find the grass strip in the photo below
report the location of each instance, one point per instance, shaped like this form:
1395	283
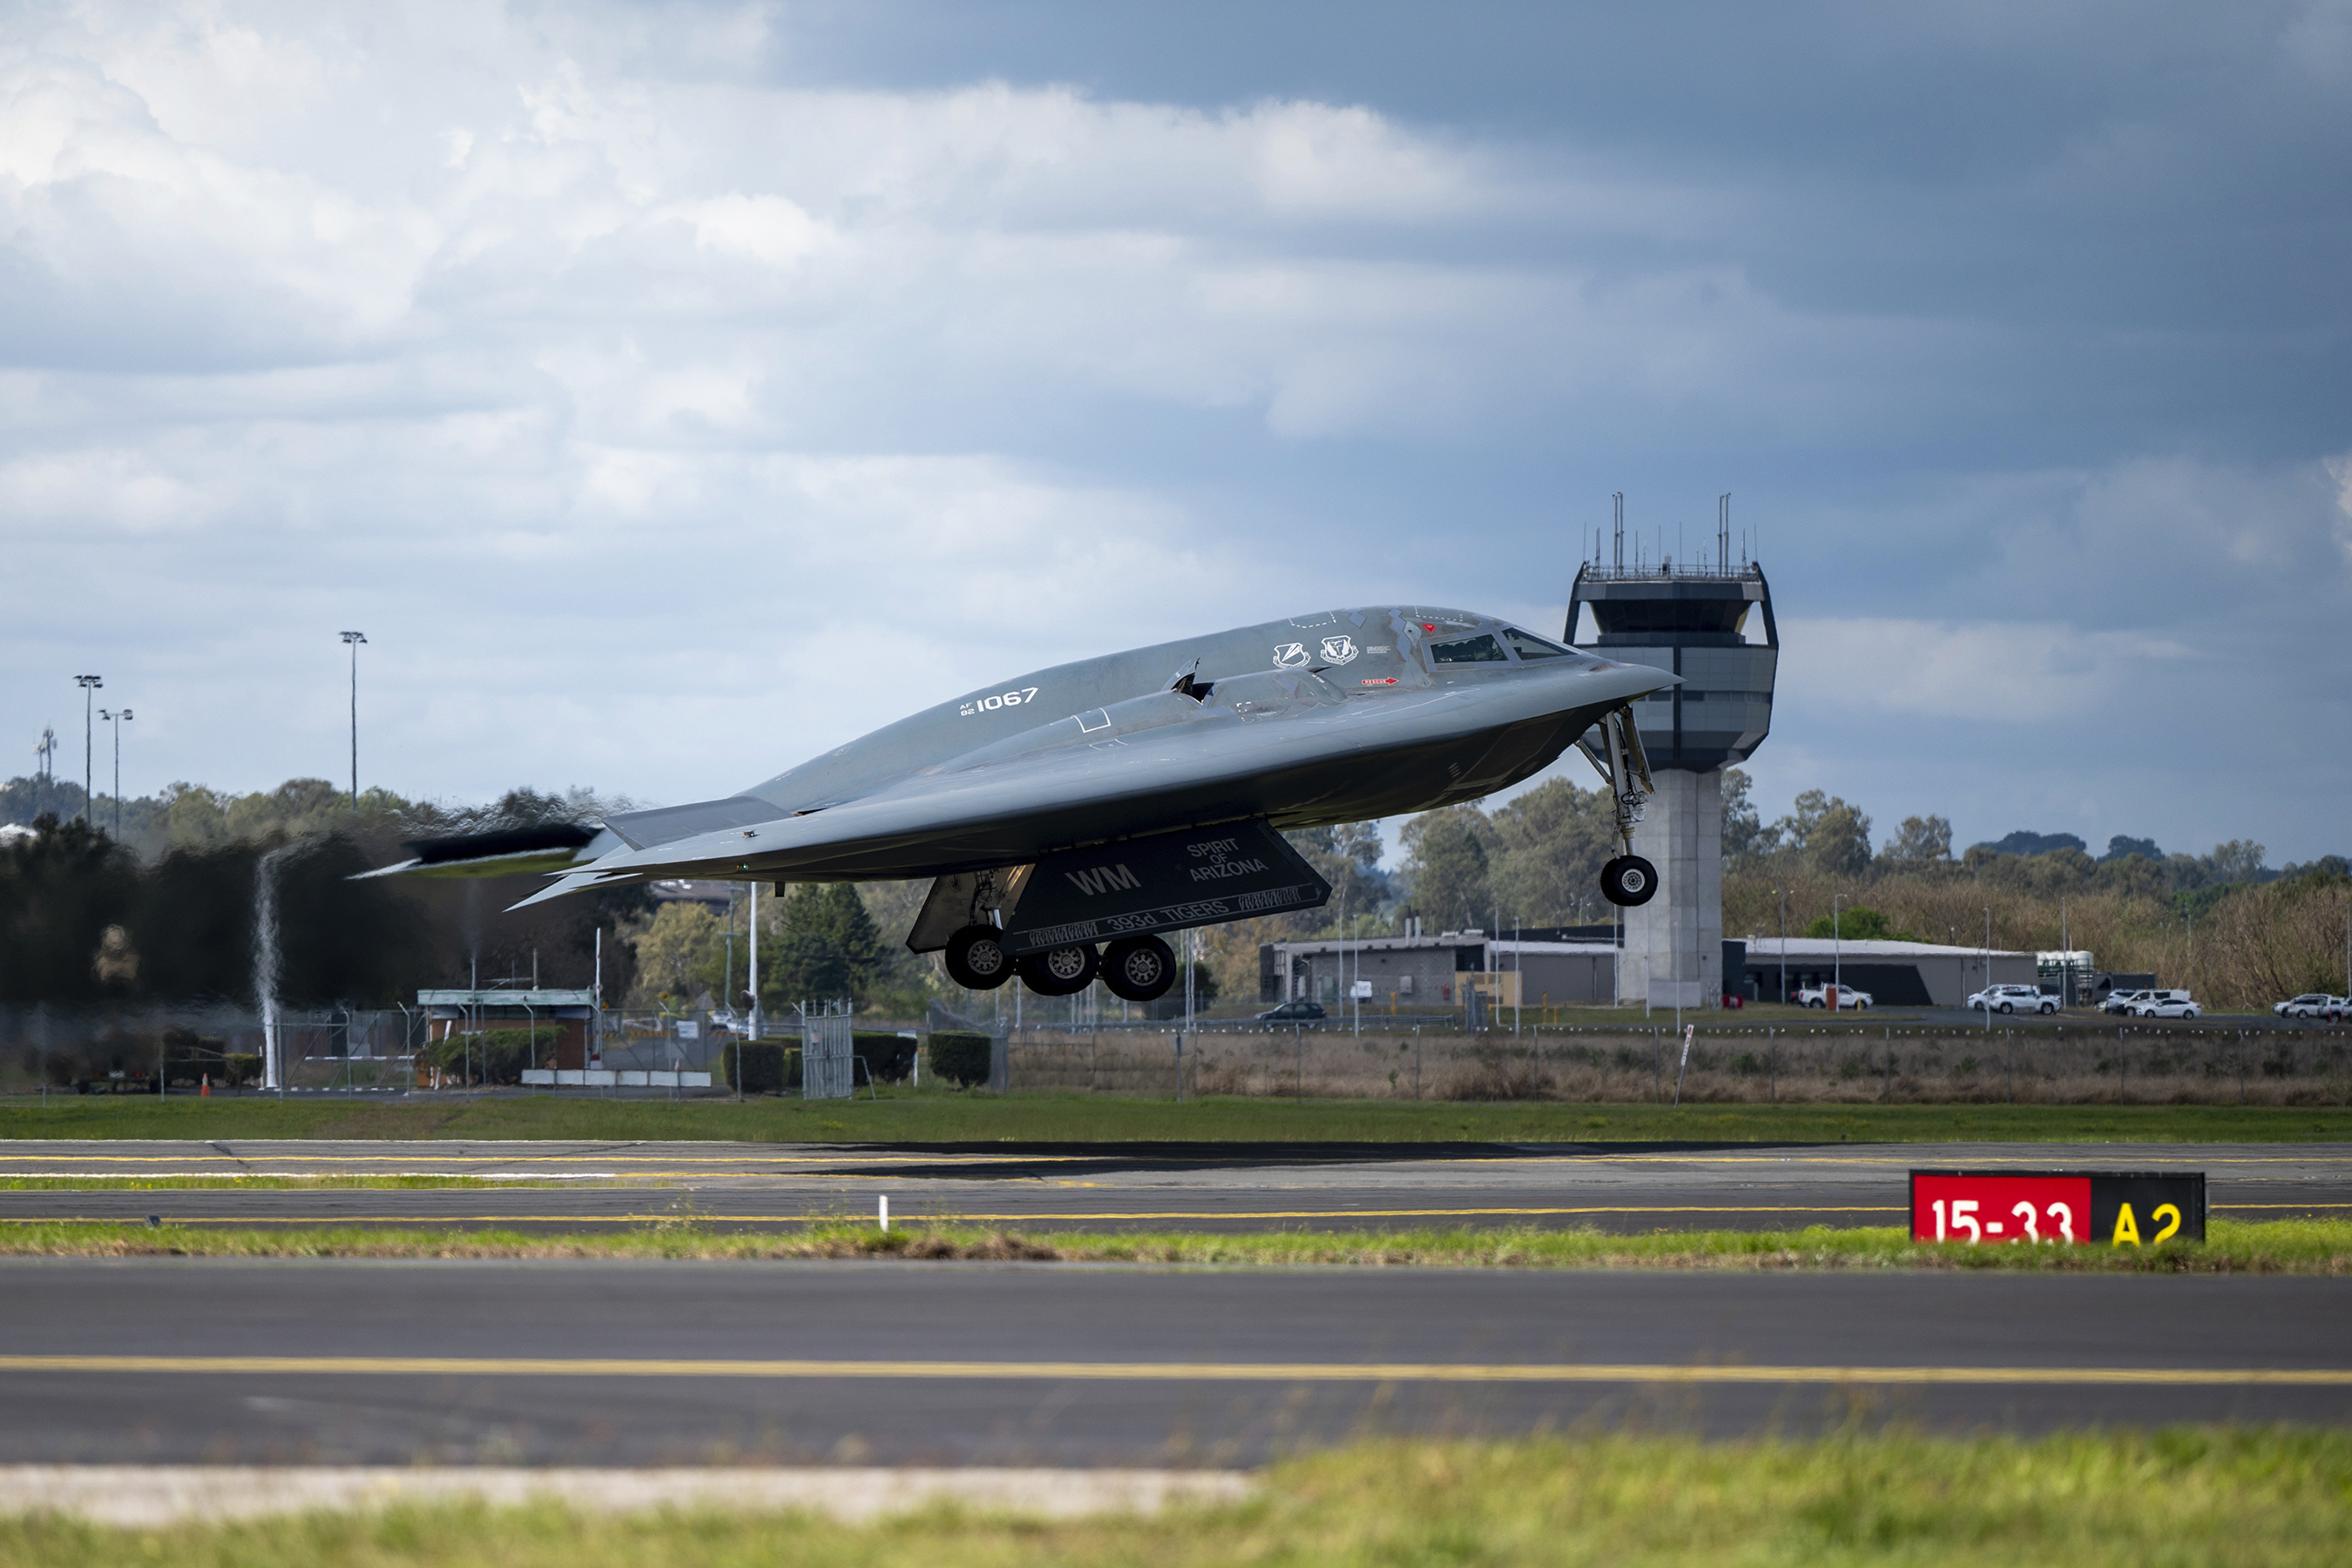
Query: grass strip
2250	1497
2268	1246
932	1116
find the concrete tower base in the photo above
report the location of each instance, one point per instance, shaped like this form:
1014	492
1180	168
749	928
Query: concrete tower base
1673	943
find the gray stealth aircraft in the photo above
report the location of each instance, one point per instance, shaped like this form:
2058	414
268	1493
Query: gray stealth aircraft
1071	815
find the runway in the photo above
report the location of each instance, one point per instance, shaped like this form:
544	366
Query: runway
218	1362
1616	1187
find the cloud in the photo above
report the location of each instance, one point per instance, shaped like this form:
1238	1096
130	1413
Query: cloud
2004	673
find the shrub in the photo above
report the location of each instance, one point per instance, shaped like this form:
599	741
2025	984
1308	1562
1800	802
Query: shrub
767	1066
961	1056
494	1055
888	1057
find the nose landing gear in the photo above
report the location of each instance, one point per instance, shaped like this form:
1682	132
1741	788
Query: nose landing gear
1628	880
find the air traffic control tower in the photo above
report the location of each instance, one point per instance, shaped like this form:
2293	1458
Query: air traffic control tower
1692	618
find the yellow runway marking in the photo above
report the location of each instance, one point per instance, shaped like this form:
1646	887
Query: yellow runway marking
938	1218
1174	1372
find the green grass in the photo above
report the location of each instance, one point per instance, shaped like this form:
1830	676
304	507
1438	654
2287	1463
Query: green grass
2269	1246
2178	1496
949	1117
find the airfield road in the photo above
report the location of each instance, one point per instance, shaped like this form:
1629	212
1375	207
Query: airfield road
1619	1187
179	1360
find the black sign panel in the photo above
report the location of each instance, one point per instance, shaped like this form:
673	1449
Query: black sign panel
1167	882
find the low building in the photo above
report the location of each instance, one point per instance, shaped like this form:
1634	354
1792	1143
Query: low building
1895	973
1438	971
572	1013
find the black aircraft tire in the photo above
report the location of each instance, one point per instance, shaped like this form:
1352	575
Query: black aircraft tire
1060	970
1629	881
1138	968
976	958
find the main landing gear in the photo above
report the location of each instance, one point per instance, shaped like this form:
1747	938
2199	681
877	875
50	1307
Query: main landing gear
1628	880
1134	968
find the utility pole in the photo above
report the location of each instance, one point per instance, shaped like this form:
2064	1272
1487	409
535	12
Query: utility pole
352	641
89	685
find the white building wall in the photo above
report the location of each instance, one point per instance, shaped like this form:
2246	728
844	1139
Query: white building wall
1673	943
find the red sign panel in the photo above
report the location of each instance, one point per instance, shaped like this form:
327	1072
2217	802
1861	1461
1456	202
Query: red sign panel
1997	1208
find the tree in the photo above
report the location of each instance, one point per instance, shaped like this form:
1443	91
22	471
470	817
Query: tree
1832	836
1920	842
2239	860
1857	924
1552	842
1743	829
828	947
1448	852
673	947
2119	847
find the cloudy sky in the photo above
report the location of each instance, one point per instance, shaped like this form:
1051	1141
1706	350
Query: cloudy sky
671	392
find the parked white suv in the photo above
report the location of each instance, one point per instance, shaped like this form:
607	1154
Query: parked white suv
2310	1005
2013	999
2121	1001
1848	996
2174	1005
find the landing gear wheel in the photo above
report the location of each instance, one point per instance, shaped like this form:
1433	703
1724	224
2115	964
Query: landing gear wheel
1628	879
1059	971
1138	968
976	958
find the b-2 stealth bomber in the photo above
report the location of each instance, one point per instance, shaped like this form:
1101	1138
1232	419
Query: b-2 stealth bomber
1071	816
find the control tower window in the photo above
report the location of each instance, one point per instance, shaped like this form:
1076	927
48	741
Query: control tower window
1529	645
1468	650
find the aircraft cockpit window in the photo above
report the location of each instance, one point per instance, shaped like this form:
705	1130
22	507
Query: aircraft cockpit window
1529	645
1468	650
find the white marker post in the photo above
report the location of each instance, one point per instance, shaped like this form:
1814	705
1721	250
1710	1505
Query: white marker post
1688	1030
883	1200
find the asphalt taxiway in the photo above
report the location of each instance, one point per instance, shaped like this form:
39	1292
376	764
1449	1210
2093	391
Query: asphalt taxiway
1617	1187
240	1361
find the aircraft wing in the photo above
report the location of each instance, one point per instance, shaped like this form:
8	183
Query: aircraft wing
1287	746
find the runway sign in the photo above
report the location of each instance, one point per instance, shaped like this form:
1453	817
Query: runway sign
2103	1208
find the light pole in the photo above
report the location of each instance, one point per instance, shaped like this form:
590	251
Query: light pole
353	640
89	685
116	718
1784	944
1837	954
1988	990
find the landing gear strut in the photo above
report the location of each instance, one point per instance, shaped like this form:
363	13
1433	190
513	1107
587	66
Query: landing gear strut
1628	880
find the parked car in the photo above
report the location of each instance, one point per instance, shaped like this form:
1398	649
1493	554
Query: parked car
2013	999
1295	1014
2310	1005
1848	996
2121	1001
2169	1007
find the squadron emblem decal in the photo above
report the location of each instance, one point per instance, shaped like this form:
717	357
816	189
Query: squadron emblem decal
1339	650
1289	655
